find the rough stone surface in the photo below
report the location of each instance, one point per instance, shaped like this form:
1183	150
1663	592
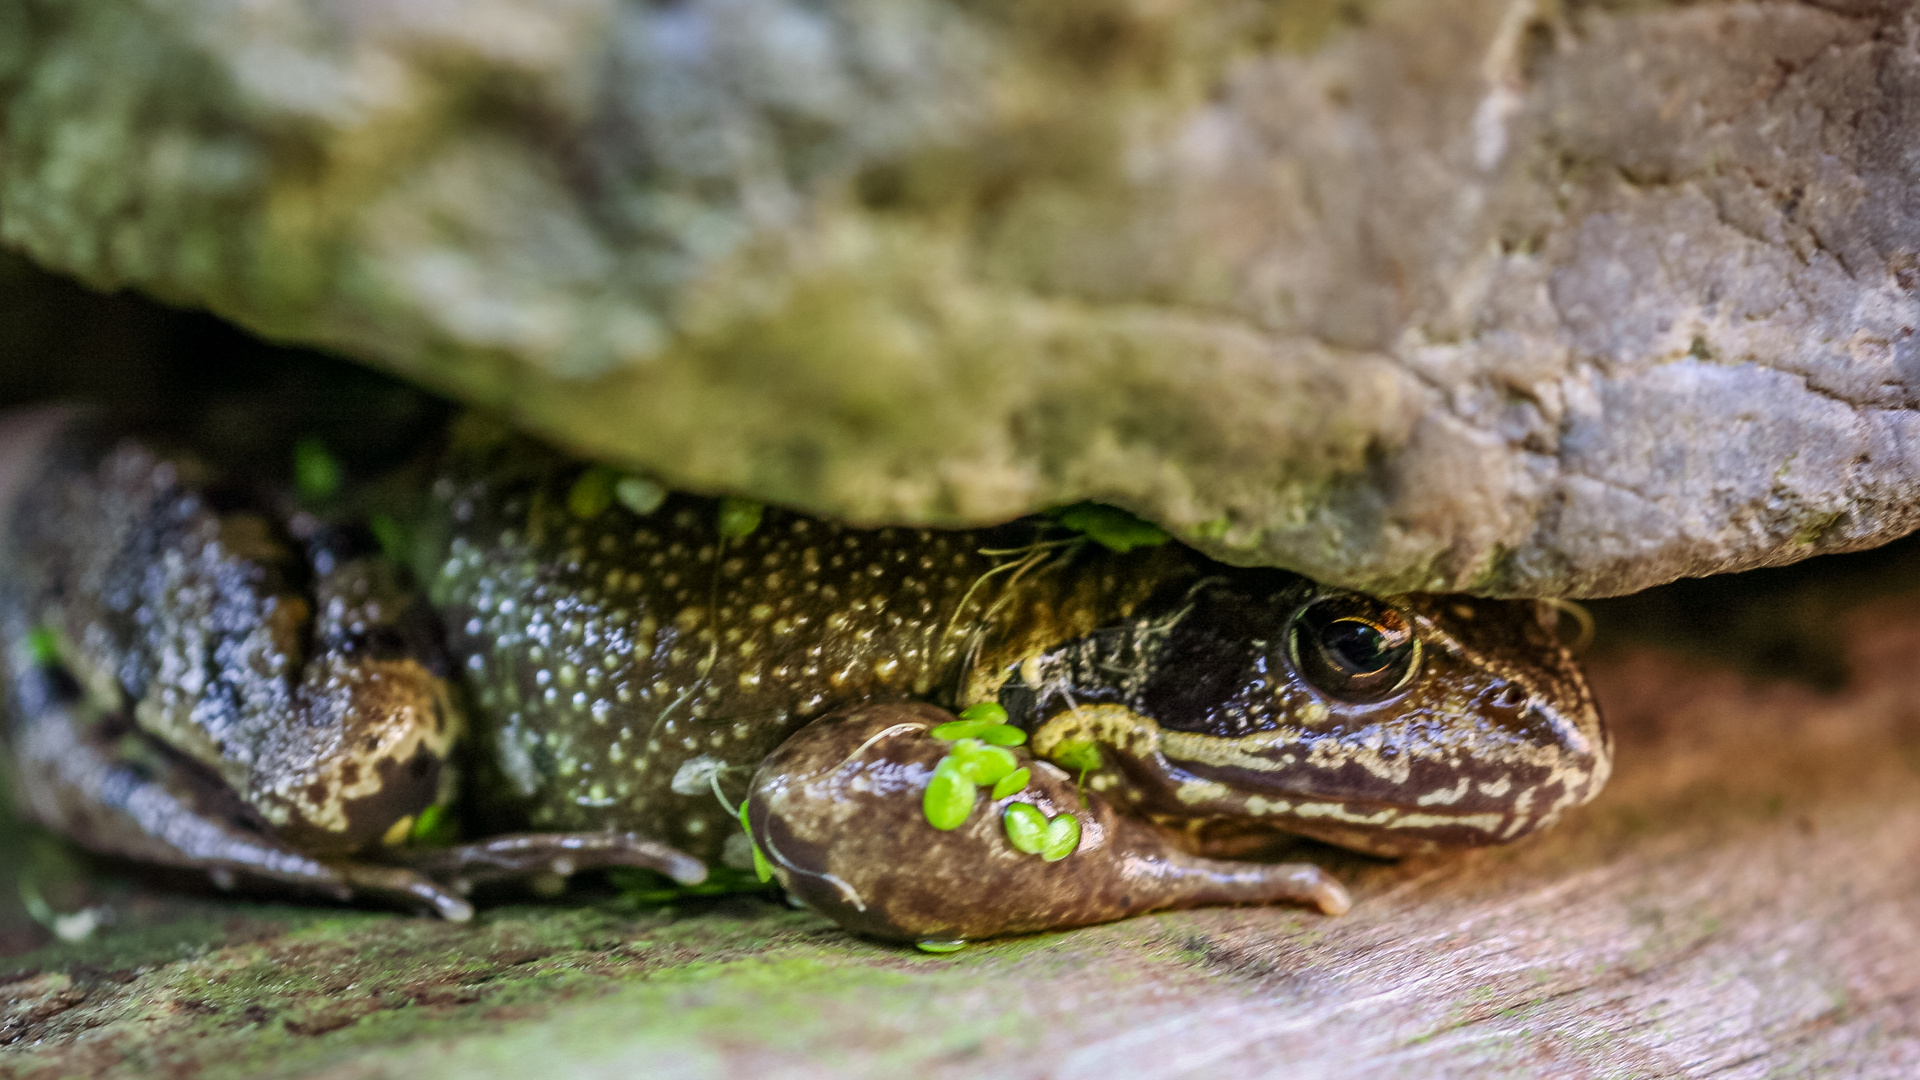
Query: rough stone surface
1514	296
1742	902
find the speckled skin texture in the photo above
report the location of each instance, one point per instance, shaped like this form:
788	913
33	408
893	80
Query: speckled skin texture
633	667
635	670
299	670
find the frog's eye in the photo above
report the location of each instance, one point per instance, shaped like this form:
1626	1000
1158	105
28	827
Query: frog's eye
1354	648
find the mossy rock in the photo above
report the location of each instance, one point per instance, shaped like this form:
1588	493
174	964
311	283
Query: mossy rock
1401	294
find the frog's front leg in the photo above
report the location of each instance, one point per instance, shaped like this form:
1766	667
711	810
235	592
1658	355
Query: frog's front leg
841	812
110	789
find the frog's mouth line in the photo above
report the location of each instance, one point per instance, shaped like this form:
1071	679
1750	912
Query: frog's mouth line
1345	795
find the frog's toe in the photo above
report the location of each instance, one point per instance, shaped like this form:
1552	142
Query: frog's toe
528	855
405	885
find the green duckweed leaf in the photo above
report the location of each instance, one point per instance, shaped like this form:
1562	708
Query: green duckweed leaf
639	494
981	763
961	729
317	476
1063	837
739	517
1110	526
987	721
1004	735
1013	783
939	946
950	796
1077	755
990	711
1026	827
592	493
984	729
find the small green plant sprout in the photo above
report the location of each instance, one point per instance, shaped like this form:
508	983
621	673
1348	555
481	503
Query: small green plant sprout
762	869
592	493
43	647
739	517
648	889
1110	526
1032	832
1077	756
939	946
639	494
394	538
436	826
317	476
1213	528
1013	783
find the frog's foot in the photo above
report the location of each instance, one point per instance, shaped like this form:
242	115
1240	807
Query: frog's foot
109	790
868	818
526	855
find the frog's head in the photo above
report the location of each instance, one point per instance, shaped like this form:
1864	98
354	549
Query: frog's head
1389	726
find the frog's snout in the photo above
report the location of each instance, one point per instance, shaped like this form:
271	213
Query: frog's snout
380	735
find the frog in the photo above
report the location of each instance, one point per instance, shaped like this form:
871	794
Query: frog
926	735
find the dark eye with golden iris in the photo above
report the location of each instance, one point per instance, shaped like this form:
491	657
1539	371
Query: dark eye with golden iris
1354	648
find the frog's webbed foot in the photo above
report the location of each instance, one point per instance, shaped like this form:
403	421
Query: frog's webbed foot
525	855
843	814
109	790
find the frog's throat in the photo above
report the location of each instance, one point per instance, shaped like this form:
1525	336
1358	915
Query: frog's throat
1280	778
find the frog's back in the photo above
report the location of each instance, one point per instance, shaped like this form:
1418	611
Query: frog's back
632	669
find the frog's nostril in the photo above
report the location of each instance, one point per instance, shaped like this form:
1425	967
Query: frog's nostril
1509	697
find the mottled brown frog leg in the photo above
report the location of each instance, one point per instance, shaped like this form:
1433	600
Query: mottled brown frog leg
522	855
840	813
109	790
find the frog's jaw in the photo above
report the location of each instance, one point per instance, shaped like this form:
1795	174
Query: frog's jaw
1397	793
378	735
1404	800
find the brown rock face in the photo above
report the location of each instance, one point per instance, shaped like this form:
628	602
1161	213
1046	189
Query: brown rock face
1513	297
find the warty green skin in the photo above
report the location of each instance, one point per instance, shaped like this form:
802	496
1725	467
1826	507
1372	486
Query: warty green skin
630	677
